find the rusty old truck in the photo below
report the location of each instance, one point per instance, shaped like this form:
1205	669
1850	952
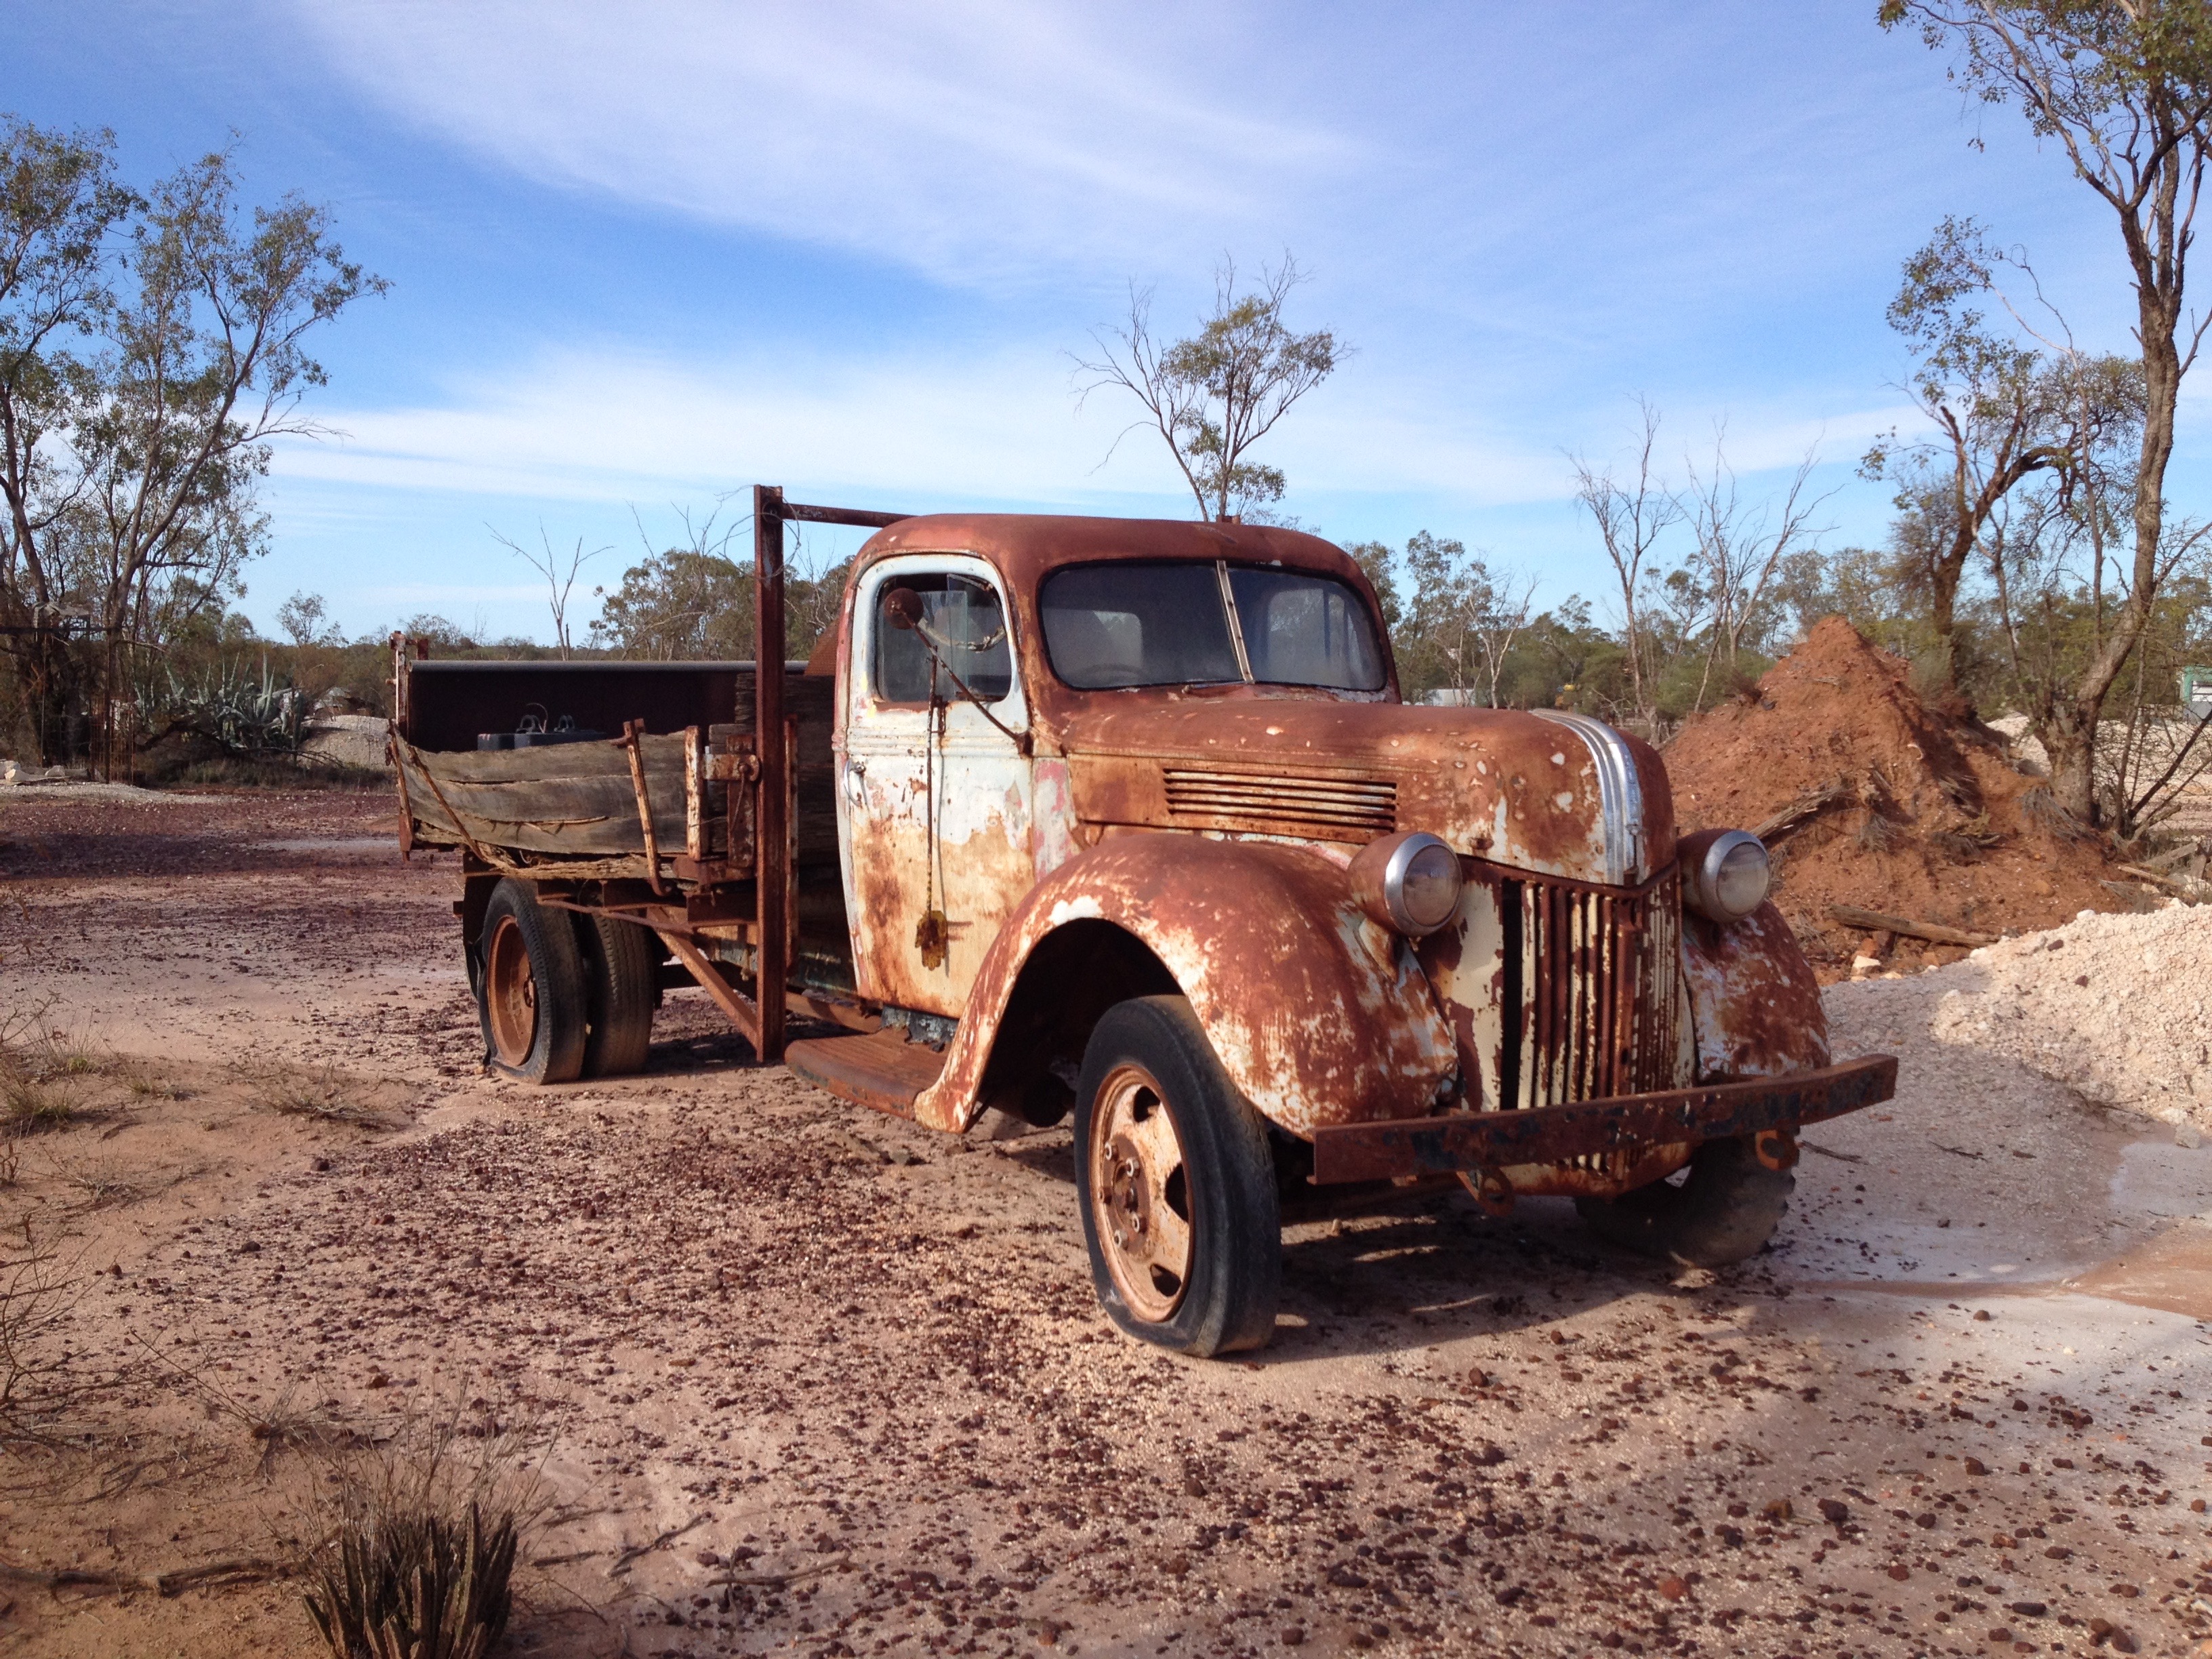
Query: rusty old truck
1126	820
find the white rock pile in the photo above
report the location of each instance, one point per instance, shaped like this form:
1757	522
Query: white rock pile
2118	1007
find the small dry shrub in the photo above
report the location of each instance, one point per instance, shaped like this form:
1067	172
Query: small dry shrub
417	1554
48	1075
1877	834
417	1587
328	1096
39	1382
148	1085
2039	805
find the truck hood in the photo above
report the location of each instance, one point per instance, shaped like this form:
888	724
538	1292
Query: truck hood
1554	793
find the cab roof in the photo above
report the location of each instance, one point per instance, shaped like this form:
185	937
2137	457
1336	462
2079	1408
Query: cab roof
1024	546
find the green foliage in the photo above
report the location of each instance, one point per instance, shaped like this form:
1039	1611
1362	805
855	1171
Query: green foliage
1374	560
1457	628
690	606
247	712
152	346
1216	394
2124	90
1573	664
678	605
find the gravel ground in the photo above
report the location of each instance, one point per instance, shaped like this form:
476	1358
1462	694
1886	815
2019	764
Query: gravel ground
815	1382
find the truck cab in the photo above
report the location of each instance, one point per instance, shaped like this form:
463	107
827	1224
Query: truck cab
1133	827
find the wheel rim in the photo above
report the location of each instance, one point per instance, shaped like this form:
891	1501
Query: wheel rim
1140	1194
510	993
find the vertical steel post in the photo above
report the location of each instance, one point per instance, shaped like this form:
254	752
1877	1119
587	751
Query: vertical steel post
772	872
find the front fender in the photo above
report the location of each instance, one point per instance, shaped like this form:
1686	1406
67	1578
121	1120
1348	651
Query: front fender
1754	1003
1318	1016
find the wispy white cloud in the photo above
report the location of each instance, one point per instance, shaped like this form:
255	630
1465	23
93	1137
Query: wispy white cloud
613	425
974	139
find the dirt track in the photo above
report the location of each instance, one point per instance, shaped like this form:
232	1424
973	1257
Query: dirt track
837	1351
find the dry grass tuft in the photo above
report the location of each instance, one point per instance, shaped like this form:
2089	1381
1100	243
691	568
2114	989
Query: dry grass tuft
145	1085
2039	805
1877	834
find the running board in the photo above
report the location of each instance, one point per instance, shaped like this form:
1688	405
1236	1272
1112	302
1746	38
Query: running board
884	1072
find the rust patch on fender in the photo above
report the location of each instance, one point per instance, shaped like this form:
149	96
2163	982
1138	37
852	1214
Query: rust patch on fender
1754	1003
1310	1024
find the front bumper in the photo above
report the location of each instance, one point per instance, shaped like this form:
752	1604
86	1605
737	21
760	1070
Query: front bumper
1399	1147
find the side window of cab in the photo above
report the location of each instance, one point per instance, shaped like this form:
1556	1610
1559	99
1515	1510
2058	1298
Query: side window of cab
933	628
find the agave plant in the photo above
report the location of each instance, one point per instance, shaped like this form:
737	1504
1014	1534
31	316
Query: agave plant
246	713
417	1587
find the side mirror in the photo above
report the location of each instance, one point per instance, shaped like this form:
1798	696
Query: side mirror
903	606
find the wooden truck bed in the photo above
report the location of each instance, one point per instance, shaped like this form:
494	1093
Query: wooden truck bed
704	809
580	809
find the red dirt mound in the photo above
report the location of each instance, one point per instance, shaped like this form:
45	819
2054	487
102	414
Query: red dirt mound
1870	798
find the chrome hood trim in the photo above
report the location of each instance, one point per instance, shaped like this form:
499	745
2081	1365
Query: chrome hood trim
1620	795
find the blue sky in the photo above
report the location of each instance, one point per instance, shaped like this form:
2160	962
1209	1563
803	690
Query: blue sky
642	255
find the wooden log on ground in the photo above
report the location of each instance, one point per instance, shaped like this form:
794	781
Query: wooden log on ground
1874	921
1802	810
252	1570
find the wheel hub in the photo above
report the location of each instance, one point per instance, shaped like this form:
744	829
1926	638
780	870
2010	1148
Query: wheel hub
1140	1194
510	993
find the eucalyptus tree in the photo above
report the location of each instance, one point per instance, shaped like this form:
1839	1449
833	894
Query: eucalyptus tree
1213	395
2123	88
152	348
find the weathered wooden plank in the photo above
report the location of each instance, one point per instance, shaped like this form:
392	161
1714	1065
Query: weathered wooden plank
577	800
597	758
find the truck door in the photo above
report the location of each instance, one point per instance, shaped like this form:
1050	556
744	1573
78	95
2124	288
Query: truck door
933	798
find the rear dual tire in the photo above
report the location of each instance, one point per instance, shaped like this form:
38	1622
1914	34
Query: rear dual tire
559	995
620	987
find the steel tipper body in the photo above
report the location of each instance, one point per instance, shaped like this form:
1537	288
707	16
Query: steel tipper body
1130	822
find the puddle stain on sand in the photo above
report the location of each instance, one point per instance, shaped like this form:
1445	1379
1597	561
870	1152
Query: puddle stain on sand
2171	1272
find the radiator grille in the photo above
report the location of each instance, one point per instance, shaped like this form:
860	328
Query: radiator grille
1593	993
1338	808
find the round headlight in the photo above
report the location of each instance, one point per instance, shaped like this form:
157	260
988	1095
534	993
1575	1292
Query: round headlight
1409	882
1726	874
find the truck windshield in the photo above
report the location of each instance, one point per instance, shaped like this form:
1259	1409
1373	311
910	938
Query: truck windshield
1110	626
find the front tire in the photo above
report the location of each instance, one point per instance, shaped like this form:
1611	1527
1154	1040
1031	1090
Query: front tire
1176	1184
529	987
1724	1212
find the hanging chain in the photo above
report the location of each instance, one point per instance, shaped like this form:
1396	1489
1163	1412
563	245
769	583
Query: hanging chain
932	934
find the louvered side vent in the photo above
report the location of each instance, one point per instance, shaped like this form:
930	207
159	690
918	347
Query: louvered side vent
1596	978
1332	809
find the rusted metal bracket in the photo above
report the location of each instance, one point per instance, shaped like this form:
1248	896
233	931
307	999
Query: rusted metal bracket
742	1014
632	731
1552	1135
773	895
